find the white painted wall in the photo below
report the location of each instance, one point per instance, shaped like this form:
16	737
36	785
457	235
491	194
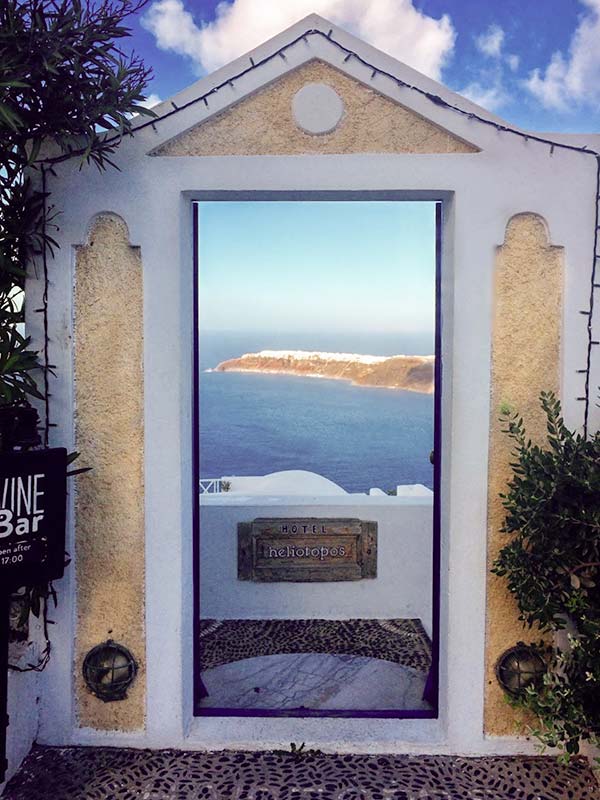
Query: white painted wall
402	588
480	192
23	713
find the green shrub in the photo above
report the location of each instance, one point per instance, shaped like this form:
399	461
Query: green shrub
552	567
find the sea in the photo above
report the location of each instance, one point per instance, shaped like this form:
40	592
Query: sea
357	436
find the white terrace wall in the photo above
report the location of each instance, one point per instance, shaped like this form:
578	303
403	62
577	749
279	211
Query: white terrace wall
418	150
403	587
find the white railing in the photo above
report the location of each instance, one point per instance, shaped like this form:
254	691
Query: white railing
210	486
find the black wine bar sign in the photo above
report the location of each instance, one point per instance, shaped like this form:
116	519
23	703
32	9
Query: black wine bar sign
33	491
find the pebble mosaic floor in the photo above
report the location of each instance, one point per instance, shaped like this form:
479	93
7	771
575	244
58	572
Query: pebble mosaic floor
402	641
326	664
89	773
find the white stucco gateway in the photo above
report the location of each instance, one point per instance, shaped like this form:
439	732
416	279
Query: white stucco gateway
510	202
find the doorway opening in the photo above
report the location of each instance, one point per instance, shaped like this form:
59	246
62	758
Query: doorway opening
317	393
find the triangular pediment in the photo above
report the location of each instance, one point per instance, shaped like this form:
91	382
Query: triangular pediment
266	122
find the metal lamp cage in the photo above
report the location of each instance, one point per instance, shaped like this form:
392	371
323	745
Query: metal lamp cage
519	667
109	670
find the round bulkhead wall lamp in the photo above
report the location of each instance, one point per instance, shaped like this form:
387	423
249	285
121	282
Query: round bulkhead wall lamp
109	669
519	667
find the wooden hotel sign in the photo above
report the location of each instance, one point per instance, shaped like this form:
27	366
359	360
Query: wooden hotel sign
307	549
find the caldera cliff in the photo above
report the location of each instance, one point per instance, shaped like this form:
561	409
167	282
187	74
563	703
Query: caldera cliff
411	373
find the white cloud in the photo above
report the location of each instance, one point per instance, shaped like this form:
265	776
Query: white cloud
513	62
152	100
489	97
490	43
395	26
573	79
489	90
149	101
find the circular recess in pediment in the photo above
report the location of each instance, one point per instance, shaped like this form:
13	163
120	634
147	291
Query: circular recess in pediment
317	108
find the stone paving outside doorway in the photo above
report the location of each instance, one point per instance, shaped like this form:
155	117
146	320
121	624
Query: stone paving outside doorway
91	773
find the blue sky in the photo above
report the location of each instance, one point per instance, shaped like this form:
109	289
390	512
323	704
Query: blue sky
536	63
333	267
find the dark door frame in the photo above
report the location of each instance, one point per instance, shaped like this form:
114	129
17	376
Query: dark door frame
433	680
